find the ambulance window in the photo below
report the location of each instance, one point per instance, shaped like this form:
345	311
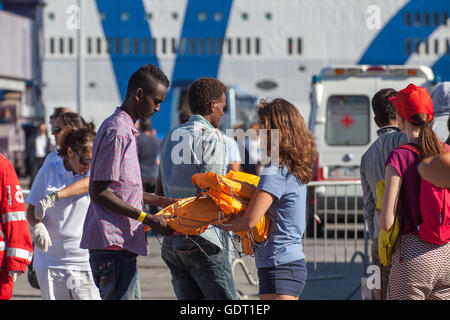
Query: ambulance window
348	120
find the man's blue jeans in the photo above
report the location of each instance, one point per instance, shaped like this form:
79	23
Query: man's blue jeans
198	274
115	274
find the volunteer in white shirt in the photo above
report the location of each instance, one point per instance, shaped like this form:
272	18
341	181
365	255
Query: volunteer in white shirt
62	268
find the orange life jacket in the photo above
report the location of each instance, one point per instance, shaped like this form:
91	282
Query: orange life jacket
223	197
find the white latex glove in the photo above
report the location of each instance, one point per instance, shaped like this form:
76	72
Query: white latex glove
41	238
14	274
44	204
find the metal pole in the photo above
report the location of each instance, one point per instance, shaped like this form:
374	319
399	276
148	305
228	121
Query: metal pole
80	71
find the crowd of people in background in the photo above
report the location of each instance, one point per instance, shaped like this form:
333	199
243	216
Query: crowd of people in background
94	194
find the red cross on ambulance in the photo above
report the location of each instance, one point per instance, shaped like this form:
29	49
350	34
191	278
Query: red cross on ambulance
347	121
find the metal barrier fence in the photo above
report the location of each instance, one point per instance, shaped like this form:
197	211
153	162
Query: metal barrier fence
339	231
335	235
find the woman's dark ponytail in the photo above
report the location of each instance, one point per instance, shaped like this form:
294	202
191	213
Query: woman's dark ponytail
428	141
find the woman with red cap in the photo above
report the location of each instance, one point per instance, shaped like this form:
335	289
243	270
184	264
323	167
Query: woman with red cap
420	270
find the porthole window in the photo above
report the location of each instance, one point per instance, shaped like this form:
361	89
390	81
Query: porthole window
426	19
417	46
145	46
210	46
52	46
244	16
70	45
192	46
202	16
436	19
89	46
99	46
126	45
108	45
201	46
218	16
268	16
427	46
417	19
136	46
289	46
174	46
163	45
182	48
117	45
408	19
408	46
220	46
125	16
299	46
61	45
154	43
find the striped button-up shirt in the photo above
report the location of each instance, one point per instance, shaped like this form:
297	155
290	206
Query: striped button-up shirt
192	147
114	158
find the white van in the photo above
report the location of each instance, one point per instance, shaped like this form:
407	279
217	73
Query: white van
341	118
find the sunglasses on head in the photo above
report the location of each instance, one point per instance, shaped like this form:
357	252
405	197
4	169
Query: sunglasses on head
56	129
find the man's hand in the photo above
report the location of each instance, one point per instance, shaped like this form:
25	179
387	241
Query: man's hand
44	204
41	238
158	223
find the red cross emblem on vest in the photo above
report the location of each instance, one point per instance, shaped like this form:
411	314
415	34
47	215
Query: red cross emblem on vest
347	121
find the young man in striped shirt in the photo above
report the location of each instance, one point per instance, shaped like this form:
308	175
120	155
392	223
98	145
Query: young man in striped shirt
114	226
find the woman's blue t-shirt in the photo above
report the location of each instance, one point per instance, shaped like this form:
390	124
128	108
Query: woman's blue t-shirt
287	218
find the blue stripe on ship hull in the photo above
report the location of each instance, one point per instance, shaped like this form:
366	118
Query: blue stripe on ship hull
389	47
192	65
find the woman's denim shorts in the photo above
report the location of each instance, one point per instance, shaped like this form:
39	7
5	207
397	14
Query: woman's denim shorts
289	278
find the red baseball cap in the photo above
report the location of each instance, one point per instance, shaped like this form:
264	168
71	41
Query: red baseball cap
413	100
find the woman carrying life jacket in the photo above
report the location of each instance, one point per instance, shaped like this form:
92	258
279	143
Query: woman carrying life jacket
420	269
281	192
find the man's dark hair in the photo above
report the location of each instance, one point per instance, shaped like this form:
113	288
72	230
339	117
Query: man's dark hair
147	77
382	108
202	91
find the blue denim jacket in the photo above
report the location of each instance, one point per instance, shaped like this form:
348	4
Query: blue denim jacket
192	147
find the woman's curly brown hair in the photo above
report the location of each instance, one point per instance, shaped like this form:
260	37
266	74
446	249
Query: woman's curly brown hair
79	140
297	146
